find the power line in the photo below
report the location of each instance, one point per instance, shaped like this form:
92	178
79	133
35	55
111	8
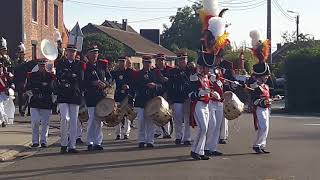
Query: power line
151	19
248	8
283	12
246	5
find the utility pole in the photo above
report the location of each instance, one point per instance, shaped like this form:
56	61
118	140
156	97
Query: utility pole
298	20
269	26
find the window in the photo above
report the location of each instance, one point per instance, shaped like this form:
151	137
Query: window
56	16
46	12
34	51
34	10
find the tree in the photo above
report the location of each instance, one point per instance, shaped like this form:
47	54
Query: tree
289	37
185	30
108	48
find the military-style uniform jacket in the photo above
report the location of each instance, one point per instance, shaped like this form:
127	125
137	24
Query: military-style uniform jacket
93	73
122	77
179	85
160	73
5	81
20	74
142	93
6	61
41	85
228	73
69	81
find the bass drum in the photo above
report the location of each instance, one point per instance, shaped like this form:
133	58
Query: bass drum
107	112
158	111
232	106
83	113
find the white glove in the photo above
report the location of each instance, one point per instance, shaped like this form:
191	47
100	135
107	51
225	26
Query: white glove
204	92
213	78
235	84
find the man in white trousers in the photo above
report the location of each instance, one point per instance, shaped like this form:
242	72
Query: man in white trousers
40	88
96	79
178	87
147	86
69	73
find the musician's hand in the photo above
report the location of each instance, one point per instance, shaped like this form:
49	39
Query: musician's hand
151	85
277	97
125	87
101	85
216	95
267	102
235	84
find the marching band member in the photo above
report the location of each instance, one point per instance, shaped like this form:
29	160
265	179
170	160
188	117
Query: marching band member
179	84
260	81
4	58
147	86
69	74
162	70
122	79
5	84
200	97
20	72
96	79
40	88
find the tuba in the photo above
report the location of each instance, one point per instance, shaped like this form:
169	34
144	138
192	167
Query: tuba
49	50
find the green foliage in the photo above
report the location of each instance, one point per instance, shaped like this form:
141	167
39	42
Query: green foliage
108	48
302	70
192	55
234	56
185	30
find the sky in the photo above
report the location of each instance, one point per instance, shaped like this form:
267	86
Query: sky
145	14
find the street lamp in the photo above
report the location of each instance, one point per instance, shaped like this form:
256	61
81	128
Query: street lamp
297	22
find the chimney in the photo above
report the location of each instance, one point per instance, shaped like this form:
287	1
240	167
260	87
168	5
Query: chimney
278	46
124	24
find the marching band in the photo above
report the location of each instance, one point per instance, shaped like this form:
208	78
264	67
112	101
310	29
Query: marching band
196	94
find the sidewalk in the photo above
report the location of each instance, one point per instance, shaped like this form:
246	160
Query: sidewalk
16	138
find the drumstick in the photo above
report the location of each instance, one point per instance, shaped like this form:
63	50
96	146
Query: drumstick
244	86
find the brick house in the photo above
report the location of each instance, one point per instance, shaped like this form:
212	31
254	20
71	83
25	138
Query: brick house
30	21
135	44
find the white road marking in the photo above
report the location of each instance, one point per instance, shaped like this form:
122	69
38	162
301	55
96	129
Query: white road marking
311	124
295	117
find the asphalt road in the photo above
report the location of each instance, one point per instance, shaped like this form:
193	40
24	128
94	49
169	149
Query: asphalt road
294	143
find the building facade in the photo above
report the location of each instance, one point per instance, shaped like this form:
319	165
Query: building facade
31	21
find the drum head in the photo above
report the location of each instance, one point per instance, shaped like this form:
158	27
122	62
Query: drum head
105	107
154	105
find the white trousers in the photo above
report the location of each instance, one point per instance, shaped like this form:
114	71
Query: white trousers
9	109
215	121
69	124
94	128
201	116
263	115
145	128
181	120
126	130
79	130
158	130
40	117
224	133
3	115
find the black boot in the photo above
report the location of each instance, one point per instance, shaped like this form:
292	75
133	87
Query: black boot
63	149
264	151
257	150
195	156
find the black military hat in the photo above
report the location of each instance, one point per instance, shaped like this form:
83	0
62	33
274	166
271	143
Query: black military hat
42	61
146	58
71	47
206	59
93	48
261	69
182	55
160	56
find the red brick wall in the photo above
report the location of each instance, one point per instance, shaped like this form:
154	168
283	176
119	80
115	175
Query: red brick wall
37	31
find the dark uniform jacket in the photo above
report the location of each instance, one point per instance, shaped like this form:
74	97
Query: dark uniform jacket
41	85
179	85
122	77
69	82
160	73
20	75
228	73
142	93
93	73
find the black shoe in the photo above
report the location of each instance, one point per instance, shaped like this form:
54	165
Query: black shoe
257	150
63	149
73	151
204	157
22	114
118	137
79	141
125	137
177	141
264	151
167	137
187	143
4	124
157	135
195	156
141	145
208	153
35	145
44	145
97	148
217	153
222	141
149	145
90	147
28	114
